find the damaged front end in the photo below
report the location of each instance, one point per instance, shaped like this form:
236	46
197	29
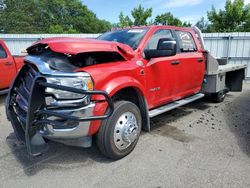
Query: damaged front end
47	103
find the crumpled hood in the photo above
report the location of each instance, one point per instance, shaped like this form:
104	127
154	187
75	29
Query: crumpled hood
73	46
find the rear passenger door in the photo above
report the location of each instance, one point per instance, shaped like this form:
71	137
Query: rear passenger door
191	64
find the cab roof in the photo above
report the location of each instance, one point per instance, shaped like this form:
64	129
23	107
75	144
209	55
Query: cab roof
157	27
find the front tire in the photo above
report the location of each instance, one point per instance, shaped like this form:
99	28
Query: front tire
119	134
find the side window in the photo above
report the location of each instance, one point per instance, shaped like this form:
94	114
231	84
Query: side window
3	54
186	41
153	42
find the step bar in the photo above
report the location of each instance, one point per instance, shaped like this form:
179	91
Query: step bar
175	104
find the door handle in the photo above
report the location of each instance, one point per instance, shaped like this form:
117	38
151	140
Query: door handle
200	60
175	62
8	63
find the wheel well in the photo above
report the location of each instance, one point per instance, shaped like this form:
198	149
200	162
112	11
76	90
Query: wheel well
135	96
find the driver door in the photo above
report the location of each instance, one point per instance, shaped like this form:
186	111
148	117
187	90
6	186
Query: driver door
161	73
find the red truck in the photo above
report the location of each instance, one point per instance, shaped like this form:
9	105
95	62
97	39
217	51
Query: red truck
71	90
9	66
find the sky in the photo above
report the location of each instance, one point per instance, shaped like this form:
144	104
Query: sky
186	10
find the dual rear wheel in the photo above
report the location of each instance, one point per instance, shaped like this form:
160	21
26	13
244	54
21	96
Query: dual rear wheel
219	97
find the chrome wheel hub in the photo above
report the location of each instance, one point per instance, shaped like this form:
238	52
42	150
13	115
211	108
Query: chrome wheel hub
126	131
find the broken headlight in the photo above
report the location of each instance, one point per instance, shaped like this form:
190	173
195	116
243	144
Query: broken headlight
84	83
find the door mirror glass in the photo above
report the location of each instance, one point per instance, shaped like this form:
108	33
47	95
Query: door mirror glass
166	47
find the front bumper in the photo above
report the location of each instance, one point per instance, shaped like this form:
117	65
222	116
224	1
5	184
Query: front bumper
33	119
68	129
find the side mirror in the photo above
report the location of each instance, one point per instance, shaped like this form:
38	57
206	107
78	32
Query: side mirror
166	47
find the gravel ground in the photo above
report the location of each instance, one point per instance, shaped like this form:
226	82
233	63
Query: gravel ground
199	145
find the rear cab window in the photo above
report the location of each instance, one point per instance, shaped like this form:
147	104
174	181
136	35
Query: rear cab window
186	42
3	53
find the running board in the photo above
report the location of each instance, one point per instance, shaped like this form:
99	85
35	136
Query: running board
173	105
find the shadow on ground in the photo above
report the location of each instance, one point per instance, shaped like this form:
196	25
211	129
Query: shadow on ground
160	125
2	99
237	116
58	157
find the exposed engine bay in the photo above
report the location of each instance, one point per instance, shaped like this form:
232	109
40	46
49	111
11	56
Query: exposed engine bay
68	62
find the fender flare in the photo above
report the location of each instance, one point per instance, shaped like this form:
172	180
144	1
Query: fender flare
124	82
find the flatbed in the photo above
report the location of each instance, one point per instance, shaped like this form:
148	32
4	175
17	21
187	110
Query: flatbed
230	67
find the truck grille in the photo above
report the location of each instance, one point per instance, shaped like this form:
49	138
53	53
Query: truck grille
22	92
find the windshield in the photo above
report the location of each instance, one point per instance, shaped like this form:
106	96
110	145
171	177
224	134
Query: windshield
131	37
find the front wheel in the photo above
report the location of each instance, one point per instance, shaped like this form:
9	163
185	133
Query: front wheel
119	134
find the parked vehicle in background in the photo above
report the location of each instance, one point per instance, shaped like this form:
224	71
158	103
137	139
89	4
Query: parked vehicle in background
72	89
9	67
